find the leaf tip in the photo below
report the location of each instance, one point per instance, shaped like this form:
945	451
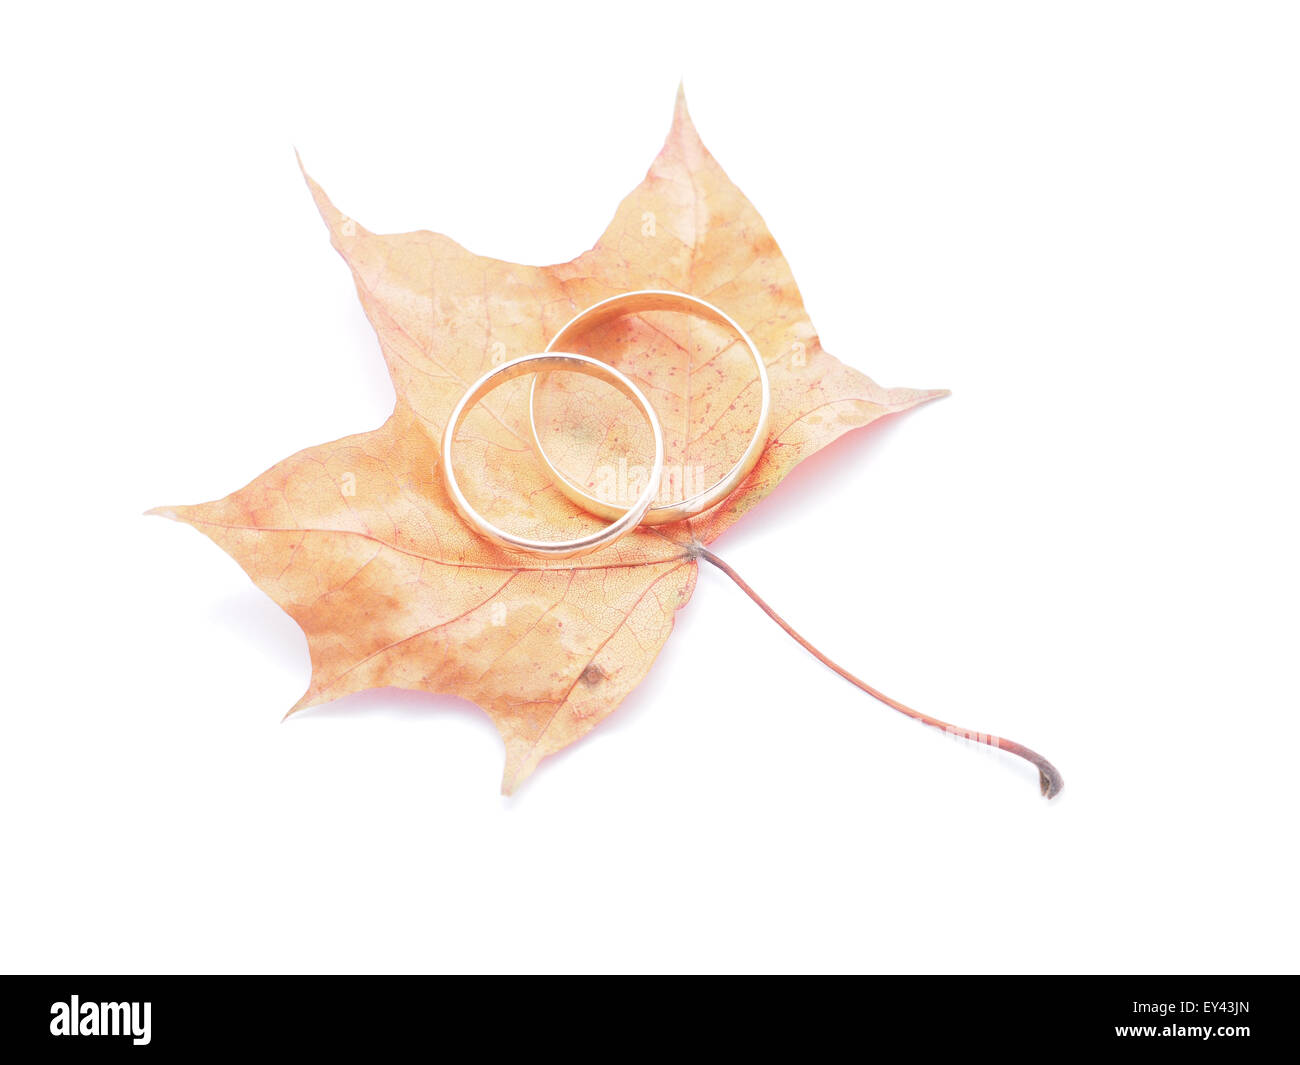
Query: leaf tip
928	395
901	399
682	126
334	218
302	169
521	760
163	512
309	698
512	777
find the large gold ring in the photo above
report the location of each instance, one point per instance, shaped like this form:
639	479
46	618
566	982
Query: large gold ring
549	361
634	303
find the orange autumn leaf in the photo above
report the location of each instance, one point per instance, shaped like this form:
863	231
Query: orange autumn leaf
357	539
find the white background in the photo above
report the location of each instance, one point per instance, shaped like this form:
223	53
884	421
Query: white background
1083	219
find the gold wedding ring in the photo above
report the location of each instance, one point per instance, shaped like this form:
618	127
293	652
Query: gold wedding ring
548	361
635	303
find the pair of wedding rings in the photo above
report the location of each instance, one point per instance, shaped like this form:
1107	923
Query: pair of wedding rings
623	519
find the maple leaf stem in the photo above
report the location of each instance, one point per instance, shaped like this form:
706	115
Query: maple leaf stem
1049	777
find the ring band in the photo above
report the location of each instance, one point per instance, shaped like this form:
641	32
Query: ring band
634	303
546	362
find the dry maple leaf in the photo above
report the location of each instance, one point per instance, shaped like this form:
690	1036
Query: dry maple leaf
357	539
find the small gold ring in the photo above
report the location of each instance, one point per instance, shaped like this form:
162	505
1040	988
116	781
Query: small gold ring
546	362
634	303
